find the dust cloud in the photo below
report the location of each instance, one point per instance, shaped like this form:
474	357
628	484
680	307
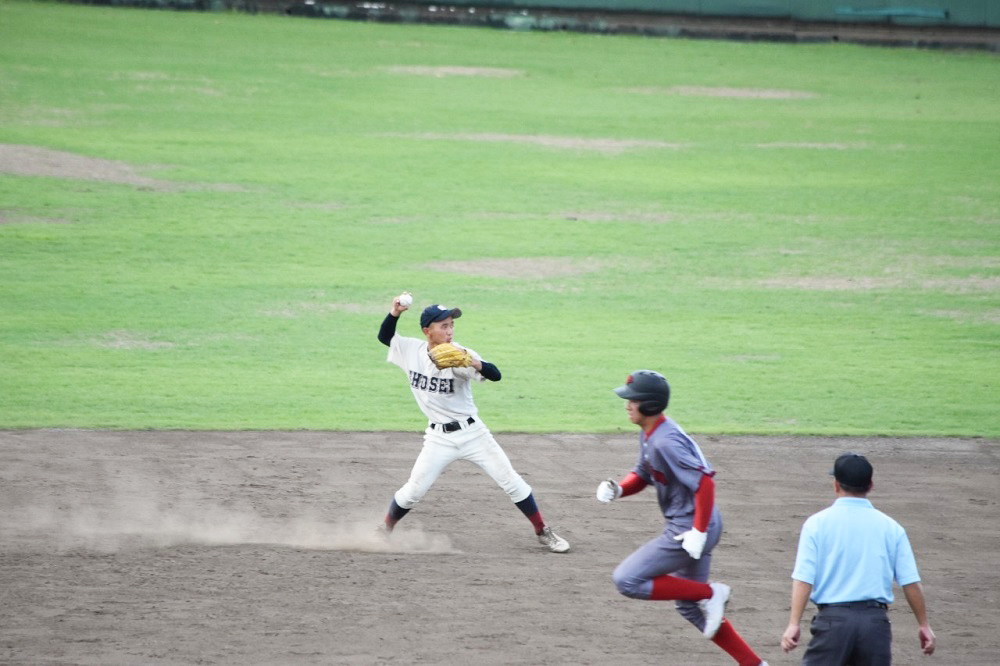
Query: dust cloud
127	520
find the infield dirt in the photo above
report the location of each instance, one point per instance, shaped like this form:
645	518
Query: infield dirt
258	548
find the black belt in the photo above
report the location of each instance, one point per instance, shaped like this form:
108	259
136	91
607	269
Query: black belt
871	603
451	427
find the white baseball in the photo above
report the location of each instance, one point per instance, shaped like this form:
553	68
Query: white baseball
405	299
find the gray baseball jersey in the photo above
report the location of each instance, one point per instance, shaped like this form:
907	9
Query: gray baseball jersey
673	462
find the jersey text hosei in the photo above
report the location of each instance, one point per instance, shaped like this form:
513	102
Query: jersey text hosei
422	382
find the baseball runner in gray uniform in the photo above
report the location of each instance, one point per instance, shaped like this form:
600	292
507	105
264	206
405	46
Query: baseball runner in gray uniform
455	431
674	565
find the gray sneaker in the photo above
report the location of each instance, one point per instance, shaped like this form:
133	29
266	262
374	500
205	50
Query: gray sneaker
553	541
714	608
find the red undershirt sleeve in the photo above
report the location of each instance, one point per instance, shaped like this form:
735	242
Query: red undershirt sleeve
704	501
632	484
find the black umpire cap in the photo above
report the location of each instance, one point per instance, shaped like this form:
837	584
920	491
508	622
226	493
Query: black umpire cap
852	469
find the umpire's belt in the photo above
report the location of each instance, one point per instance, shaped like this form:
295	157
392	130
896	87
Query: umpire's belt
451	427
870	603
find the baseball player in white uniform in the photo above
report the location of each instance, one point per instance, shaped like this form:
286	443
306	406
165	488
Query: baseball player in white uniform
455	430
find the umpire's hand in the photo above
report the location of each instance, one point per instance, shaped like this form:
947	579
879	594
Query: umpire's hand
790	639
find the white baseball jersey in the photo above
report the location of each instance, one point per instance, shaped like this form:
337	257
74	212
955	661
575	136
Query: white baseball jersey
443	395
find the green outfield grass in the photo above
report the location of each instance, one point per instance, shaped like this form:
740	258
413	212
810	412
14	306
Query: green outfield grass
803	238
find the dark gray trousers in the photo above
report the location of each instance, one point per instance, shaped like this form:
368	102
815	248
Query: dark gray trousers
858	634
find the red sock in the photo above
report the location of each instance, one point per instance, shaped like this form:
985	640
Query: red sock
667	588
530	509
537	522
730	641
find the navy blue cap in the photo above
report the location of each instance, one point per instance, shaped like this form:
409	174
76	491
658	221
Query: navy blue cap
433	313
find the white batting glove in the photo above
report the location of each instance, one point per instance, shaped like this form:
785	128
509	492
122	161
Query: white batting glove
608	491
693	542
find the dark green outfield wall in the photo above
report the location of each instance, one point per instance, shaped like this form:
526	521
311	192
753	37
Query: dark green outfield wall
974	14
969	13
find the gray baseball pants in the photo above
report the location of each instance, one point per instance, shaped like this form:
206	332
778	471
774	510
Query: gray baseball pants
854	634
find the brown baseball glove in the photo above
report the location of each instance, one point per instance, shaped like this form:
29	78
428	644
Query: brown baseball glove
447	355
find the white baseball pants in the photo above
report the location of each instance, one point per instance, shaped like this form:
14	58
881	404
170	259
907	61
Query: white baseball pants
473	442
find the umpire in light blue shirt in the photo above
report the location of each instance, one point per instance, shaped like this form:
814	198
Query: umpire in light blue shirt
848	556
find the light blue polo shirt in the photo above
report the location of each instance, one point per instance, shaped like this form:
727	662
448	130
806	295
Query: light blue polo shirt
851	551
